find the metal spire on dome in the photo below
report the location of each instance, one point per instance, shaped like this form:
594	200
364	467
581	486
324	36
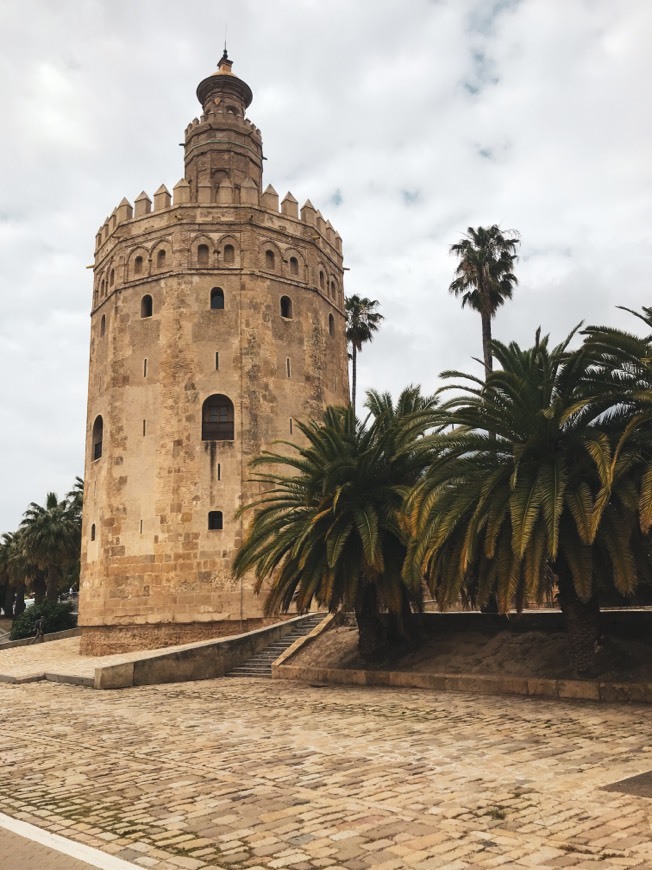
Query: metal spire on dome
224	80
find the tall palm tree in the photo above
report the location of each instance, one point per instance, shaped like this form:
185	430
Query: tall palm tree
52	539
484	277
362	320
329	528
531	488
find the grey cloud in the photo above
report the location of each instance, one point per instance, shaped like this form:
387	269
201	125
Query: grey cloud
355	100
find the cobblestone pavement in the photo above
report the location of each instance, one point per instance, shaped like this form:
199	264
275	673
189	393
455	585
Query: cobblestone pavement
255	773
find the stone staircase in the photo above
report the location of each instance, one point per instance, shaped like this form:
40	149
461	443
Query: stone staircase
260	665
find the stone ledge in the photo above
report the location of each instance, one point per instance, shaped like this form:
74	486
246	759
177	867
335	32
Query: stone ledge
584	690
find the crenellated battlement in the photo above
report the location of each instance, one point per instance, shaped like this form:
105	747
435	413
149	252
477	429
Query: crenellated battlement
224	119
209	206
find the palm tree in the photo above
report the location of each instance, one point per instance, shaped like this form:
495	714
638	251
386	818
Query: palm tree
621	374
75	499
15	571
52	538
484	277
530	488
362	320
329	527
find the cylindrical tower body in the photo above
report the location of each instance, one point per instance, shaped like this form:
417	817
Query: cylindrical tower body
217	322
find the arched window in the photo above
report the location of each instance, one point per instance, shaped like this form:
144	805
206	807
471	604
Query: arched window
111	277
270	260
331	325
102	325
215	521
294	266
229	254
286	307
102	287
160	259
93	532
217	419
332	289
202	255
321	279
98	434
146	306
138	265
217	299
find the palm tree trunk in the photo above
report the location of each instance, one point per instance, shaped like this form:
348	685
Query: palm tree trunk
372	635
19	606
582	627
39	586
8	600
403	627
486	343
354	360
53	575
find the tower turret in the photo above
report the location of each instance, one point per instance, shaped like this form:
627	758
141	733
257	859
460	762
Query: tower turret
223	146
217	321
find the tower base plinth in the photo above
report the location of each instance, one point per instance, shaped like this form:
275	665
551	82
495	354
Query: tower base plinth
98	640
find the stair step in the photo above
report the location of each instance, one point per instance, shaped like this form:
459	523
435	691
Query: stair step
260	665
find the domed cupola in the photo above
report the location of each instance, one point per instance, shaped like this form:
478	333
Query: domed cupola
223	147
224	90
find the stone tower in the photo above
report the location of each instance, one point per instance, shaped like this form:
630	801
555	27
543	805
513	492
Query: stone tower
217	322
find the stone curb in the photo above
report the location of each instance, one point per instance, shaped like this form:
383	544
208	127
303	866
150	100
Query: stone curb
26	678
584	690
535	687
55	635
37	677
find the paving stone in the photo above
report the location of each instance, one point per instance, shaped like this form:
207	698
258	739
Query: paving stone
240	773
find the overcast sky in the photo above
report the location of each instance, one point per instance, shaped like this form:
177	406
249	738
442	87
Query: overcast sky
404	121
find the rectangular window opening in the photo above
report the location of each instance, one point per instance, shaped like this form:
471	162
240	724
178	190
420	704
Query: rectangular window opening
219	471
215	520
217	360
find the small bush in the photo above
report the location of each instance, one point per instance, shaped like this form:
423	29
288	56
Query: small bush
56	617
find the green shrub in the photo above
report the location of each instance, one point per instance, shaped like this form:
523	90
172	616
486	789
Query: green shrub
56	617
